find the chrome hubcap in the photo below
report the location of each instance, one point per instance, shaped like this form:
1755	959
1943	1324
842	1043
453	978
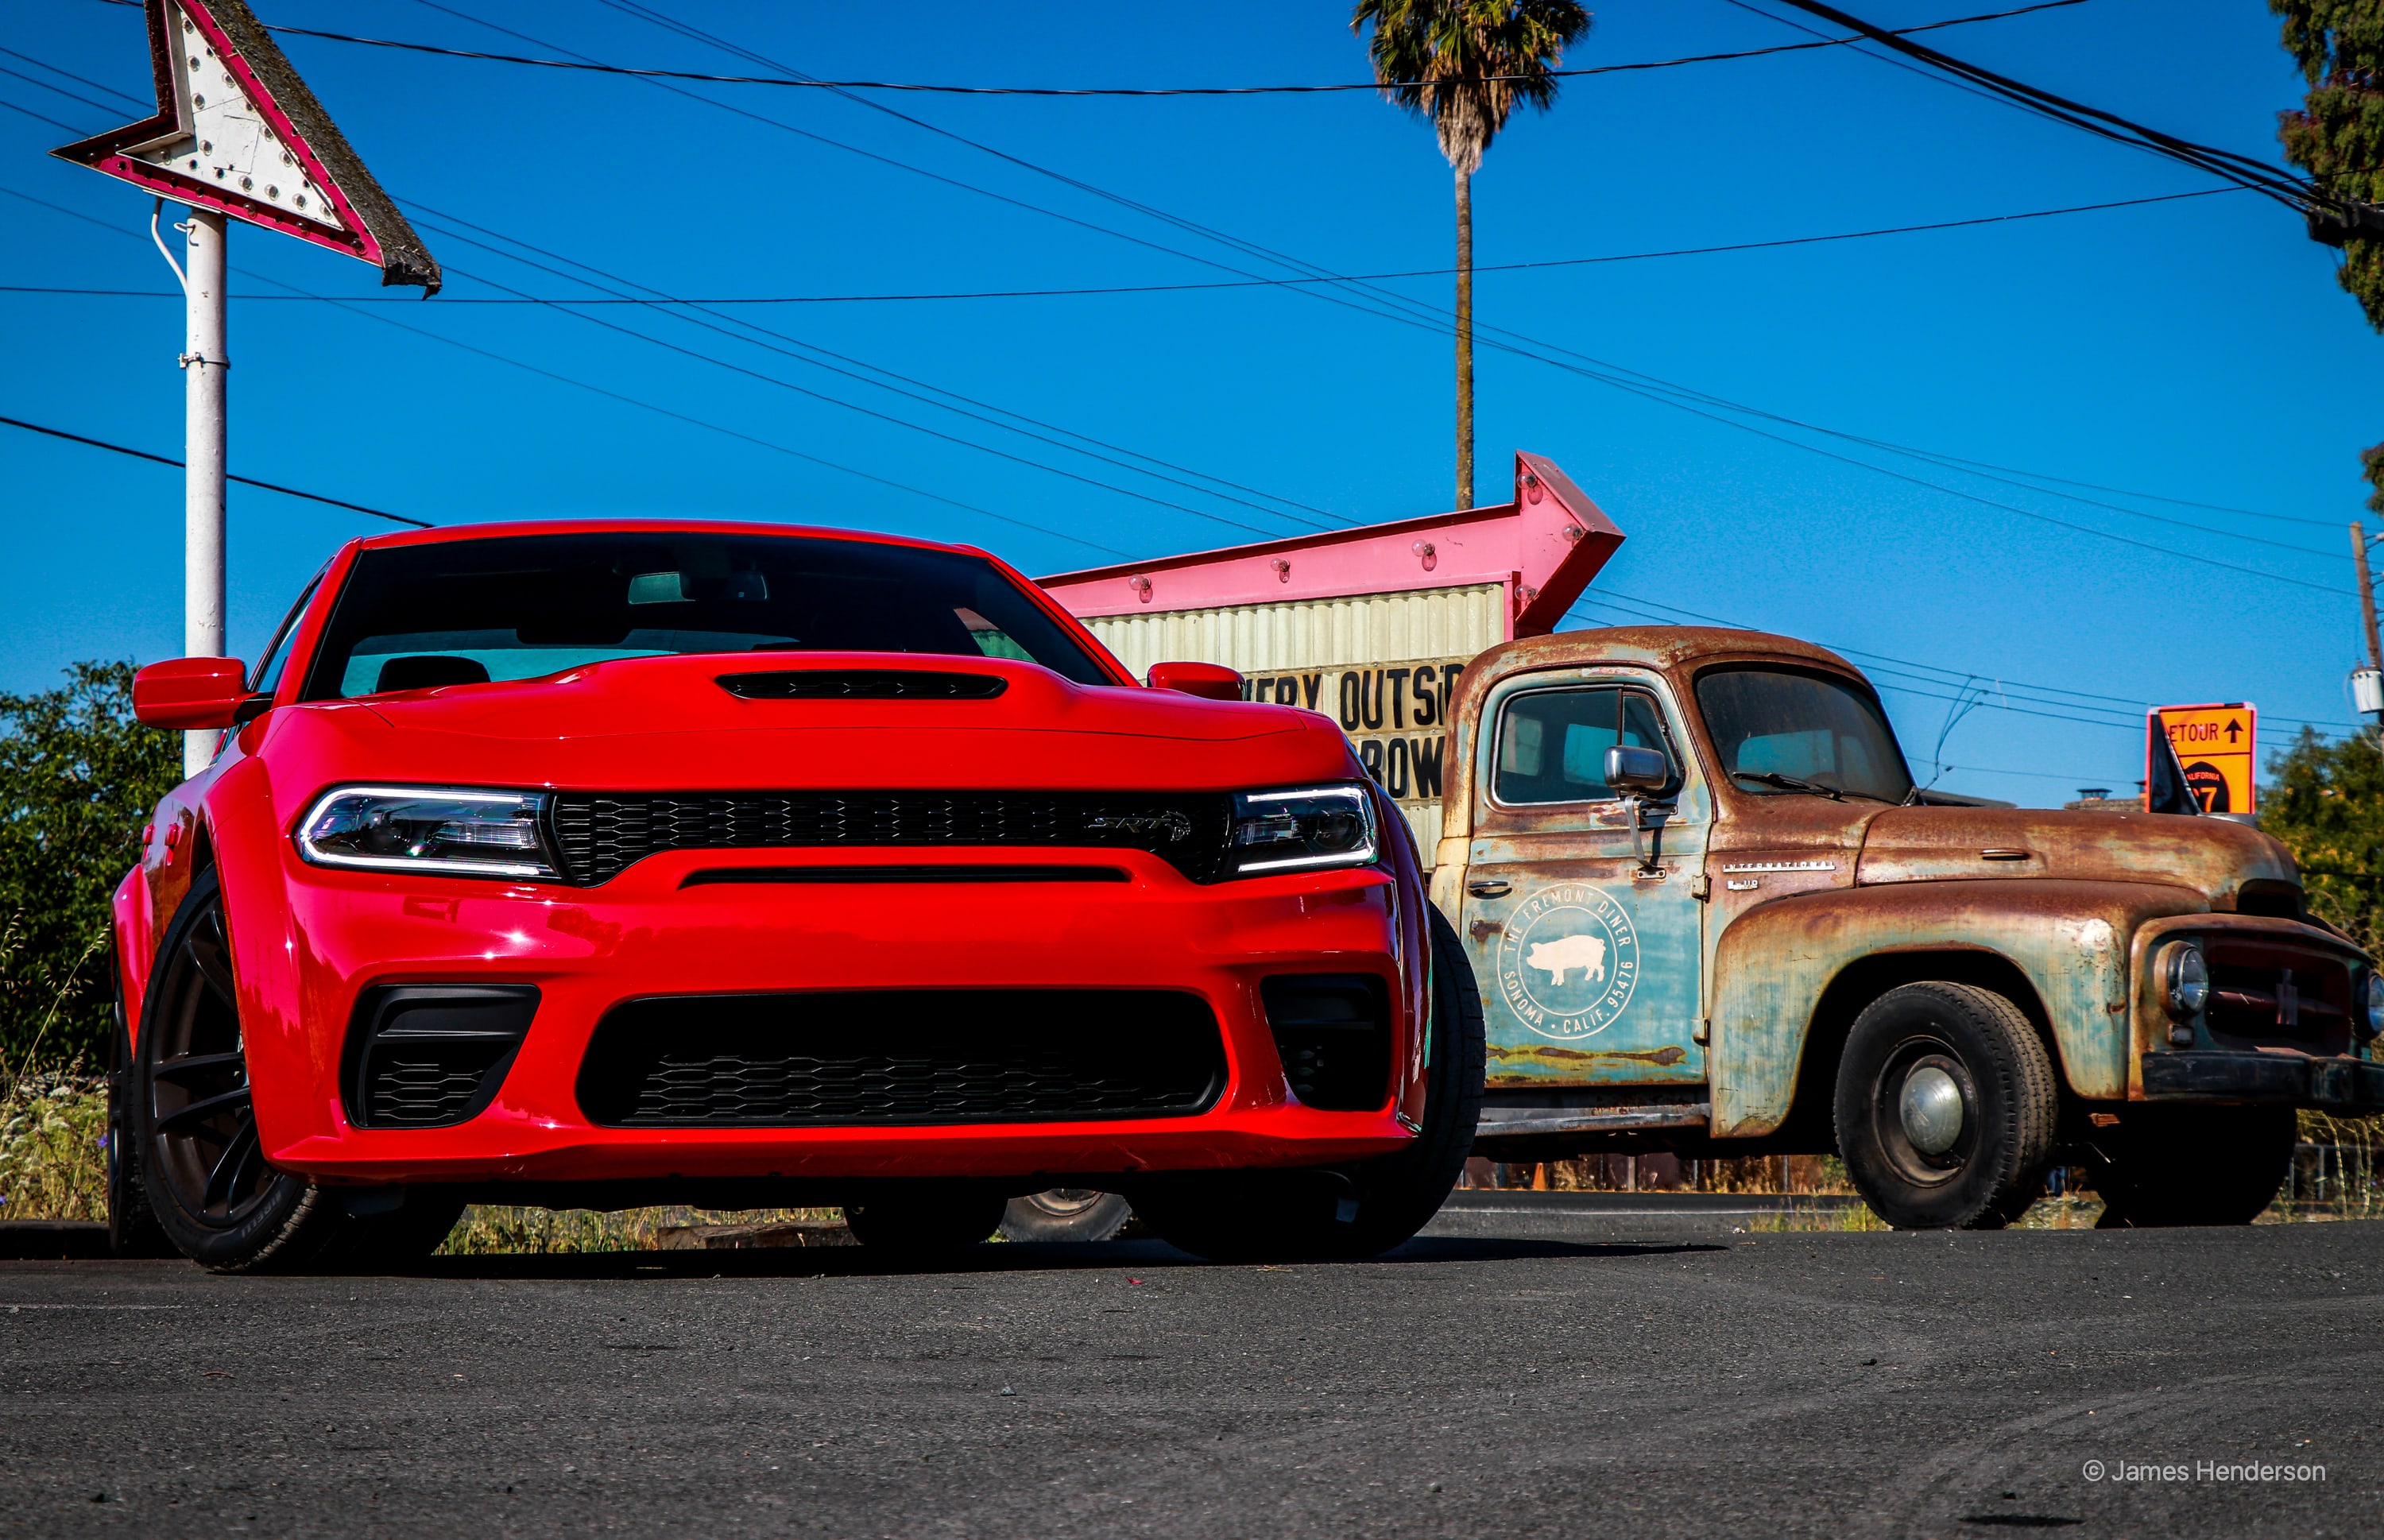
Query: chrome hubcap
1932	1109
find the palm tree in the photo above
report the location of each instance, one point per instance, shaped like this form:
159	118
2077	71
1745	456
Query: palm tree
1466	64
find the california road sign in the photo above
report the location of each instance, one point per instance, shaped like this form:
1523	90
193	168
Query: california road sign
237	131
2218	746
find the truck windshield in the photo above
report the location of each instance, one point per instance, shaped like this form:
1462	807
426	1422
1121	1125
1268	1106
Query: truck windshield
522	607
1789	727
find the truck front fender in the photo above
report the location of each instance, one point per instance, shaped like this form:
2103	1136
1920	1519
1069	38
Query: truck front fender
1789	977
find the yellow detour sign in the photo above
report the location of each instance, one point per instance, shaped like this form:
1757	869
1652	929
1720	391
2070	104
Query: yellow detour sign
2215	746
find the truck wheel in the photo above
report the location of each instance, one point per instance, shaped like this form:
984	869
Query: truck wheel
132	1229
925	1220
2193	1165
1355	1210
194	1131
1065	1214
1945	1108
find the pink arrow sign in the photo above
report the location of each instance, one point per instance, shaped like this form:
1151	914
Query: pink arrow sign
237	131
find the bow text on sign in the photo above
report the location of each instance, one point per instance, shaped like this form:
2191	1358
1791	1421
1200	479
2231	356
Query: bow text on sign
2218	746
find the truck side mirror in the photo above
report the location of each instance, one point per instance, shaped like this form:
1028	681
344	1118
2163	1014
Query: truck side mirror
1636	772
1205	680
191	694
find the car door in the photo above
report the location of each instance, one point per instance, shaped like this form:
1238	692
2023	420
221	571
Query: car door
1587	948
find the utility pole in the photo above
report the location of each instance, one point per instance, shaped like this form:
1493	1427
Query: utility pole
204	364
2366	594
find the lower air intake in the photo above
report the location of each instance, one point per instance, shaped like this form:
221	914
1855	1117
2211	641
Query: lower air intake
431	1055
1333	1031
901	1056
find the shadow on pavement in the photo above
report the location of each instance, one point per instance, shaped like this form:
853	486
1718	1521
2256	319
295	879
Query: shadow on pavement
841	1261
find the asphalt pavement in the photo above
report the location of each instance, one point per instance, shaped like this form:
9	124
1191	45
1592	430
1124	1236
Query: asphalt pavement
1609	1374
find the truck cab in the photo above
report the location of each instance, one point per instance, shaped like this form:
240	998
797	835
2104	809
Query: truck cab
1711	912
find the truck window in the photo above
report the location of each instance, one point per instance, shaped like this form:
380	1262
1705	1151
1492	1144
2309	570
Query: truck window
1552	743
1811	727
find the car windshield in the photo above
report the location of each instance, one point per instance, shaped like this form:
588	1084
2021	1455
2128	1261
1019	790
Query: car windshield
1799	726
521	606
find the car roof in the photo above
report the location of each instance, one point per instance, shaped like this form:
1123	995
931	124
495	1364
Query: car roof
506	528
1669	647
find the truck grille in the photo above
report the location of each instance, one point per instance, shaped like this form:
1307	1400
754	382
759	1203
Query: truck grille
901	1056
598	835
2267	993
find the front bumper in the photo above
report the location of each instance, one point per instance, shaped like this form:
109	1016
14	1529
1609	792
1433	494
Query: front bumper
2346	1087
644	933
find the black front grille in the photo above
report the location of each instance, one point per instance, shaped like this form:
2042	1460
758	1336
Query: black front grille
431	1055
901	1056
598	835
1334	1033
2265	992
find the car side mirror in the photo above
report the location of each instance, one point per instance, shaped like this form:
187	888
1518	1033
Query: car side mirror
1636	772
191	694
1207	680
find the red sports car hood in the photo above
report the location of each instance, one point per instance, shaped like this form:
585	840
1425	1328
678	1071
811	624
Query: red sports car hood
670	724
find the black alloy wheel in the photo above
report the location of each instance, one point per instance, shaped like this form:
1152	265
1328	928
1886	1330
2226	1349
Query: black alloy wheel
209	1187
1946	1106
132	1229
1363	1209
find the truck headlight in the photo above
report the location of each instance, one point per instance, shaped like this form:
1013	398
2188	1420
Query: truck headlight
1285	831
2367	1009
405	828
2189	981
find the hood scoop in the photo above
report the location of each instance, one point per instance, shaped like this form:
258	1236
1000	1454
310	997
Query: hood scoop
863	684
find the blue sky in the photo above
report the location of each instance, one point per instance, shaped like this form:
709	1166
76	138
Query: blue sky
2195	349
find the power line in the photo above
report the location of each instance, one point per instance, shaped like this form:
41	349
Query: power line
617	396
1432	318
2125	703
808	82
449	300
243	481
2295	192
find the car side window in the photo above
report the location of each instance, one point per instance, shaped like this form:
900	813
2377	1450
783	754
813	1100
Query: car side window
1552	743
276	655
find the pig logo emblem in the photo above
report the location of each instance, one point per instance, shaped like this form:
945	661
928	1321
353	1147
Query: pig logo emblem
1560	957
1568	961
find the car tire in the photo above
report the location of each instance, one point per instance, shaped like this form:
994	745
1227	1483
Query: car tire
208	1185
928	1219
394	1237
1360	1209
133	1228
1067	1214
2192	1165
1946	1106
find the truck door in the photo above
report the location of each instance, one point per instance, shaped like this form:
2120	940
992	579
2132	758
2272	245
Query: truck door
1588	952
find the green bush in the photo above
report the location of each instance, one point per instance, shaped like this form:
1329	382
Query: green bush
2325	802
78	779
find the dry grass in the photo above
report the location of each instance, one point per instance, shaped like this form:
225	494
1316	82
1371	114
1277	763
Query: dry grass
53	1147
489	1231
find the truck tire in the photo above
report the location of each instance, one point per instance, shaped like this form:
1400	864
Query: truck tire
924	1221
1074	1214
2192	1165
194	1122
1946	1105
1364	1209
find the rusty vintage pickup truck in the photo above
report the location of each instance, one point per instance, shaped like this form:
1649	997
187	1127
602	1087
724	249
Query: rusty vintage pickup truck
1711	912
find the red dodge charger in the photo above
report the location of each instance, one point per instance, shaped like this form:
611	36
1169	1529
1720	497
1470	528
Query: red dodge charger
608	864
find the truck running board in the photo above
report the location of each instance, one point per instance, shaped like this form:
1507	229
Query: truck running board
1512	1122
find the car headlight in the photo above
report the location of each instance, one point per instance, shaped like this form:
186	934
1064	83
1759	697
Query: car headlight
402	828
2367	1013
1302	830
2189	981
